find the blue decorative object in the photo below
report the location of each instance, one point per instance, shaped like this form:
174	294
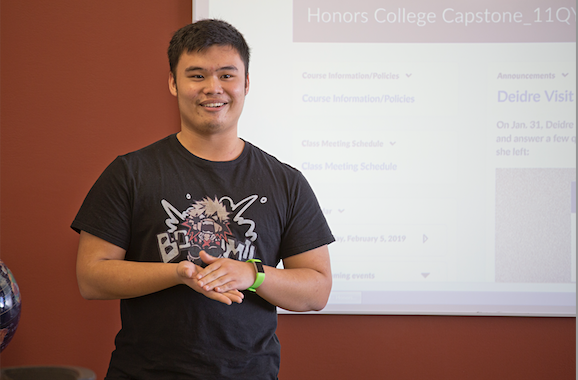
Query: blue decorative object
9	306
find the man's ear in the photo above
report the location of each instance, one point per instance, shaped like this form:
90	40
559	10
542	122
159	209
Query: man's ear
172	84
247	85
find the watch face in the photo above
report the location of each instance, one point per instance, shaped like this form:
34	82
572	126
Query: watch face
259	266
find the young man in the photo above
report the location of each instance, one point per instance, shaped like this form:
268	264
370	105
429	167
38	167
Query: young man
188	232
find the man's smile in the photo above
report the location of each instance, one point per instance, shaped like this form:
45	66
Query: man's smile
214	105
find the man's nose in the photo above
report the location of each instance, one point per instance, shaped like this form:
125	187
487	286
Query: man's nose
213	85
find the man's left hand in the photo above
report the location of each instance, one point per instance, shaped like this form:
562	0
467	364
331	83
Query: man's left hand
222	275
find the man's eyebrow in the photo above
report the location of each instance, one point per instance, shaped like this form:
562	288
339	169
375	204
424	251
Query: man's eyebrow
192	68
224	68
228	68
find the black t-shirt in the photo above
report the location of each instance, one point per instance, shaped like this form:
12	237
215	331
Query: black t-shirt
163	204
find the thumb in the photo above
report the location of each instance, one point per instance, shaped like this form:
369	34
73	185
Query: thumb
207	259
186	269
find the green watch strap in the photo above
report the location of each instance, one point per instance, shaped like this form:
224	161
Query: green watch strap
260	274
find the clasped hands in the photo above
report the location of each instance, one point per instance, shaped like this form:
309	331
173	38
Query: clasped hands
220	280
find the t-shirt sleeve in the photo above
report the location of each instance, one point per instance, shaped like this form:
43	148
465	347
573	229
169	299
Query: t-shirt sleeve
106	210
307	227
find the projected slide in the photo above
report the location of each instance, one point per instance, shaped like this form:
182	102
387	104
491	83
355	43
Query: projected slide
439	137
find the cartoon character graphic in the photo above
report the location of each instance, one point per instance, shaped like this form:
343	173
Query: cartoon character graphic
205	226
207	222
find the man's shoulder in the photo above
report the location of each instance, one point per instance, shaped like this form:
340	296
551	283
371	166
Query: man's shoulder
159	145
156	151
269	159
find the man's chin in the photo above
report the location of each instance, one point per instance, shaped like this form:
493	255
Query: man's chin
213	128
208	127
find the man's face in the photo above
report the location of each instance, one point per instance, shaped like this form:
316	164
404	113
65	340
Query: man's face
210	88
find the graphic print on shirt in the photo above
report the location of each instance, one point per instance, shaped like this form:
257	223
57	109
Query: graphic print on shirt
204	226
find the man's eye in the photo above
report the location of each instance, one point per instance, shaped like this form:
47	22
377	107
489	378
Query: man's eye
197	76
227	76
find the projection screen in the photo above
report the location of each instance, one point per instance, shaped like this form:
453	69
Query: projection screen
439	137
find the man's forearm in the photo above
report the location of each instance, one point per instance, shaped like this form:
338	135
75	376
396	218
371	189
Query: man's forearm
118	279
304	284
103	274
301	289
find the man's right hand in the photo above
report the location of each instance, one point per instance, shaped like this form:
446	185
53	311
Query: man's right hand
104	274
187	272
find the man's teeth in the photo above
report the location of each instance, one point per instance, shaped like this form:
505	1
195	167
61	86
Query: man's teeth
214	105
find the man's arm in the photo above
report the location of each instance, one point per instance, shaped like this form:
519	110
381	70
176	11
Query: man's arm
303	285
103	273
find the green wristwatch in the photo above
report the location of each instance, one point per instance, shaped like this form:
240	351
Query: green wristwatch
260	274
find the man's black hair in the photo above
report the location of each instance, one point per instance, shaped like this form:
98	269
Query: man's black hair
203	34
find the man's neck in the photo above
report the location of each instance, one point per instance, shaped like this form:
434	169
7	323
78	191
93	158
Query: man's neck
212	147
